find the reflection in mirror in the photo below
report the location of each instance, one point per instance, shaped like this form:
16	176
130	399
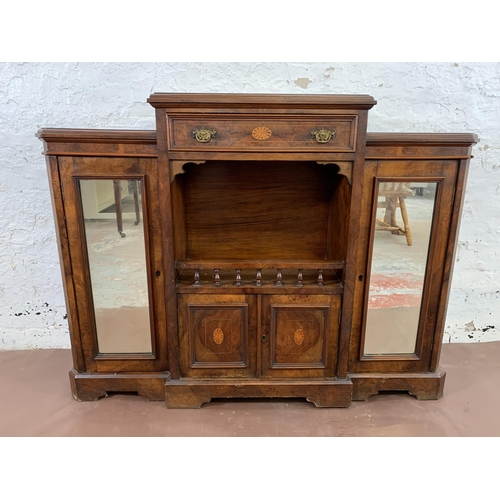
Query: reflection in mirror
400	247
114	231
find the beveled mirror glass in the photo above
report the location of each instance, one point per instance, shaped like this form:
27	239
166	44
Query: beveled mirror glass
402	229
115	241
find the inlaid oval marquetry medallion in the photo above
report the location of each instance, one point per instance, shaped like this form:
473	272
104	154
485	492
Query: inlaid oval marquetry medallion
218	336
298	336
261	133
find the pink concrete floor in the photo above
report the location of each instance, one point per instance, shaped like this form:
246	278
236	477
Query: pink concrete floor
35	400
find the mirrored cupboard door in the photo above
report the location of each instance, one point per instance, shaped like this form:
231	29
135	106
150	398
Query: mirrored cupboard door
112	219
401	254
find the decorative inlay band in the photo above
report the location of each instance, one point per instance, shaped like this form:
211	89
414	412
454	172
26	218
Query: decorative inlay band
298	336
261	133
218	336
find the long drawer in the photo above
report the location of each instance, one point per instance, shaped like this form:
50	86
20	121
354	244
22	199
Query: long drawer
228	133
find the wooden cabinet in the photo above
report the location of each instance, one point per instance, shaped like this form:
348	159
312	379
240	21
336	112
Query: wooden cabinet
257	246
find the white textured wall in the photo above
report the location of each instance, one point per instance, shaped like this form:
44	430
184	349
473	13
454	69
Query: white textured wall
412	97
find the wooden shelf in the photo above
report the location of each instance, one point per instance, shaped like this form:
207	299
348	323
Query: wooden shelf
259	264
289	282
249	288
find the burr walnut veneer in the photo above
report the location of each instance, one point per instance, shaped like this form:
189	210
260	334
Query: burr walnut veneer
269	247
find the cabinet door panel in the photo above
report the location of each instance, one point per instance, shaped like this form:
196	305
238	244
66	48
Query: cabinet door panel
301	335
298	336
217	335
399	256
117	263
112	217
404	231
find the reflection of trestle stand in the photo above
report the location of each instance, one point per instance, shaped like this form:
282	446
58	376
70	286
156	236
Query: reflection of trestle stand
118	205
395	194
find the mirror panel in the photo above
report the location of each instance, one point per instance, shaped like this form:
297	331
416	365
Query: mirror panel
115	242
402	229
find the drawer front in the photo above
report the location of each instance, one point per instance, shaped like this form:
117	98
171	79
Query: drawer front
215	334
336	134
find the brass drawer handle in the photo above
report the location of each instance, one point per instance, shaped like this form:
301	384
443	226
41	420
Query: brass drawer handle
322	135
203	134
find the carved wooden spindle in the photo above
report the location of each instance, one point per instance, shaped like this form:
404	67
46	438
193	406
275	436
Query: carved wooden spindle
238	277
196	277
258	281
320	277
299	278
217	277
279	278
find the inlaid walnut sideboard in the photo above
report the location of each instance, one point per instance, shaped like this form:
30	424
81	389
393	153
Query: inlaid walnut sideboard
255	246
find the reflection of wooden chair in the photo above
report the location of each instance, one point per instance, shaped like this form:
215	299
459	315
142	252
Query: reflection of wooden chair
395	194
118	205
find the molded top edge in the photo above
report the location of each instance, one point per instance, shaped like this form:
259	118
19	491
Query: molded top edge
149	136
96	135
351	101
434	138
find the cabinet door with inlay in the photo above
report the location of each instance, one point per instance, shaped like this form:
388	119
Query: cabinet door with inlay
300	335
217	335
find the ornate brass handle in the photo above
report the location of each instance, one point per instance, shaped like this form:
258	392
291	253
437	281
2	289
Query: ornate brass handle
322	135
203	134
